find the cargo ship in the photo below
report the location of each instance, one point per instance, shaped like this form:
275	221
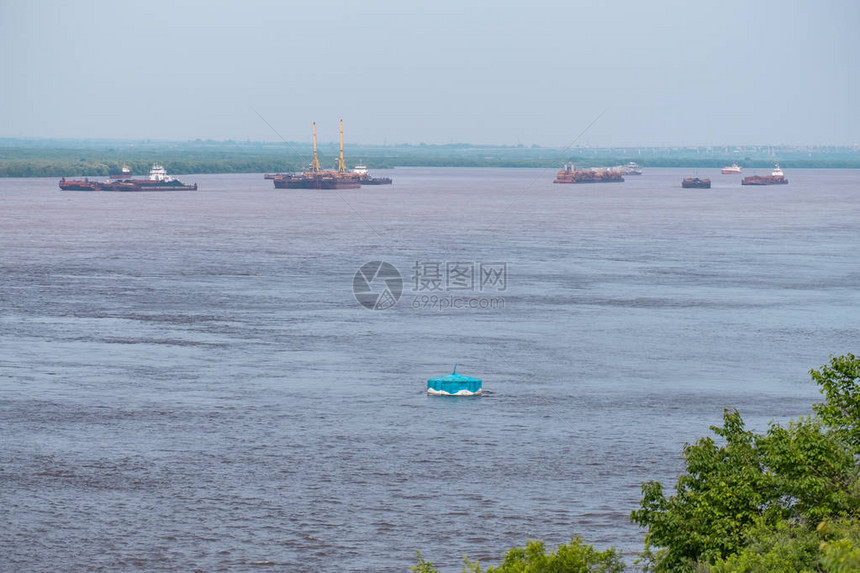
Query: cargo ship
776	177
732	169
696	183
571	175
317	178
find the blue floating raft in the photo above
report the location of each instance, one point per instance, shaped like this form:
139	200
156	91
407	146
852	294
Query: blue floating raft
454	385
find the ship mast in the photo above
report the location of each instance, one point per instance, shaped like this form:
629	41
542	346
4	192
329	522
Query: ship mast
341	164
315	164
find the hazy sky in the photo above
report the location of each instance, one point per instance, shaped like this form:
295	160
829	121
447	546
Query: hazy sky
436	71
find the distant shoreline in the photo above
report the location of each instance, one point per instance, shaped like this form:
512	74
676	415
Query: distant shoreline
98	158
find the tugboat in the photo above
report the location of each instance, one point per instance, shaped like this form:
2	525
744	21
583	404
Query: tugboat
696	183
317	178
733	168
454	385
366	179
571	175
776	177
631	168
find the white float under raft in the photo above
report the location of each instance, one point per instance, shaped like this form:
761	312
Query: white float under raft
454	385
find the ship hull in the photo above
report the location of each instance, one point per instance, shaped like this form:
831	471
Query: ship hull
136	187
765	180
588	177
78	185
376	181
316	182
696	183
589	181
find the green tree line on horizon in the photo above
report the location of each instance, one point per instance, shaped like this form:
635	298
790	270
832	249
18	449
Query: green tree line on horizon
783	501
98	168
99	159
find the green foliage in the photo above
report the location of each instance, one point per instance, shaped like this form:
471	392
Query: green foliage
775	548
840	383
750	503
810	470
840	548
422	566
575	557
785	547
723	492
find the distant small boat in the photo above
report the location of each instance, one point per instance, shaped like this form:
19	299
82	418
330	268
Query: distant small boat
123	173
454	385
733	168
696	183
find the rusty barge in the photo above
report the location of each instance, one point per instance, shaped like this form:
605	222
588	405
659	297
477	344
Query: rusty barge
572	175
776	177
158	180
696	183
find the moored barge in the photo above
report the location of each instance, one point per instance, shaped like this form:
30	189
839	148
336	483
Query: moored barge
571	175
158	180
78	184
776	177
696	183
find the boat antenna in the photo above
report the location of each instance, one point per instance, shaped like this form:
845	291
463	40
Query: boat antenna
455	368
341	164
315	164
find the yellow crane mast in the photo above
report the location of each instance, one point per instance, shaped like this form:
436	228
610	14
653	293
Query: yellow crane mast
315	164
341	164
